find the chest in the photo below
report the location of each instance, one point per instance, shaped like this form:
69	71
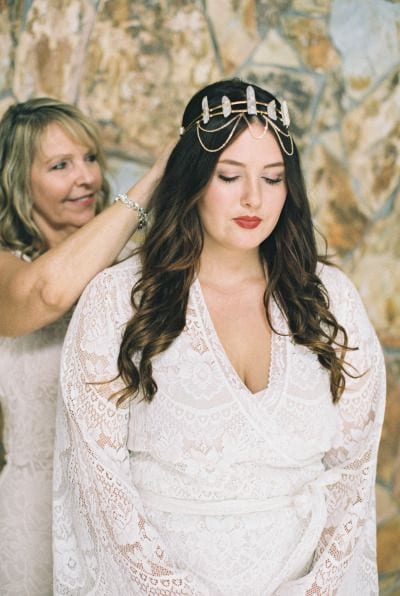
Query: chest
204	410
240	324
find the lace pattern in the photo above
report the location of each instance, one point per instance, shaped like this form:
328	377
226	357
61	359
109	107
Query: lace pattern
208	489
29	377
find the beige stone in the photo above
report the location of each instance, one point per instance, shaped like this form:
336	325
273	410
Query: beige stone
269	14
297	89
329	111
371	134
386	505
375	268
5	103
6	50
235	27
332	141
389	450
140	78
389	584
333	200
49	57
312	41
312	6
274	49
378	277
389	546
376	175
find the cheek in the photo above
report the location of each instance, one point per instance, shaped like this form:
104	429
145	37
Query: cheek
98	174
205	205
35	186
280	200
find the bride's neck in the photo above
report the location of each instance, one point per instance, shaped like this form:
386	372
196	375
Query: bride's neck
230	268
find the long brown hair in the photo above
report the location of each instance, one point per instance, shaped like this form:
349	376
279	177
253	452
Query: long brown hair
171	252
21	130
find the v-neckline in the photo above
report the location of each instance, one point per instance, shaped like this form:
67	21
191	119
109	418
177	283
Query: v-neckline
223	358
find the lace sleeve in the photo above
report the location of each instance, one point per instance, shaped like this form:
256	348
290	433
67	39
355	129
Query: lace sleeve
345	558
103	544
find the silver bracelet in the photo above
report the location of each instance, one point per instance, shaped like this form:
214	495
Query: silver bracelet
142	213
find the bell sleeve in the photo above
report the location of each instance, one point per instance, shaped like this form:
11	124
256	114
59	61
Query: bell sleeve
345	558
103	544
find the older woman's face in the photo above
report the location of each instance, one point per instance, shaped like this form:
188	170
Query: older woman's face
65	181
246	194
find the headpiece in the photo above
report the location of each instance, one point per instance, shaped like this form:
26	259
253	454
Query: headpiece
273	115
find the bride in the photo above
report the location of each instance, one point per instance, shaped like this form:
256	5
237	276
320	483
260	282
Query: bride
219	424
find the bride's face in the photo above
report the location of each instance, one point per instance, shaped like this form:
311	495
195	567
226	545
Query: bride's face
244	199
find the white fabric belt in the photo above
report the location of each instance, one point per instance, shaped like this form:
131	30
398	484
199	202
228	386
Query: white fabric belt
303	501
223	507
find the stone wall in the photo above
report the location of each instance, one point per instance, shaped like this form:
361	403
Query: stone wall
133	66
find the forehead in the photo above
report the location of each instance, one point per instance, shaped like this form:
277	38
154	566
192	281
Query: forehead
58	138
254	145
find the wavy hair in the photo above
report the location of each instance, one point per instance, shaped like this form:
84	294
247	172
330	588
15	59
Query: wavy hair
170	256
21	130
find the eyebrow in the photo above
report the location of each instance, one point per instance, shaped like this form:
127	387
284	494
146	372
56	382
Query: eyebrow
56	157
61	156
233	162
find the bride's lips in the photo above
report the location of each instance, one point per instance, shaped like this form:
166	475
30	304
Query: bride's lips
247	222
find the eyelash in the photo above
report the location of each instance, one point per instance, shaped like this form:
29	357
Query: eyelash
230	179
91	157
59	166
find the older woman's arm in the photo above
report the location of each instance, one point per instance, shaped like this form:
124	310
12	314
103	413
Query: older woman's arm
34	294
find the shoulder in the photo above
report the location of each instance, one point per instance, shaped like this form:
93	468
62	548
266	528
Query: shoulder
101	314
13	257
15	253
346	304
108	294
339	286
121	276
333	278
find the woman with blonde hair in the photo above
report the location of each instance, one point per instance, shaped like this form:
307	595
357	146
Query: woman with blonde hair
222	390
52	185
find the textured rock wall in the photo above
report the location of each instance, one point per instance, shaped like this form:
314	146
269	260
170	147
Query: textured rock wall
133	66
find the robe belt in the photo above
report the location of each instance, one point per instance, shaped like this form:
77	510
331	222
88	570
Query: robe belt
303	501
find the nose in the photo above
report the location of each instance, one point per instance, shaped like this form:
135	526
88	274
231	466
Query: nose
252	193
85	173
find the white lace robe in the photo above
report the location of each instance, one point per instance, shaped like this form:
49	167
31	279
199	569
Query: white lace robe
210	489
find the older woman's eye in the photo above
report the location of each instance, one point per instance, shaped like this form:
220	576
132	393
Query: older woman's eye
59	166
91	157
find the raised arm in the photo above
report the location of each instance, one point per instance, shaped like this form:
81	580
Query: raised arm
345	558
103	543
34	294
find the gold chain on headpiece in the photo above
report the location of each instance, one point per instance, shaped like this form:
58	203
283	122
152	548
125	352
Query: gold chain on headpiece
270	113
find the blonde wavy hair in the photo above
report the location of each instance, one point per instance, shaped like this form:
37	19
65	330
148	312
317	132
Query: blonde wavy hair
21	130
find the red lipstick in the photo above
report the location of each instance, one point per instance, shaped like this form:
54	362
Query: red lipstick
247	222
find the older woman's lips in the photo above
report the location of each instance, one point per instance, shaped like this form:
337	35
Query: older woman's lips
83	201
247	222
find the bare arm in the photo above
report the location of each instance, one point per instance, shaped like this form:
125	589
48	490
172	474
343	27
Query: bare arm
36	294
